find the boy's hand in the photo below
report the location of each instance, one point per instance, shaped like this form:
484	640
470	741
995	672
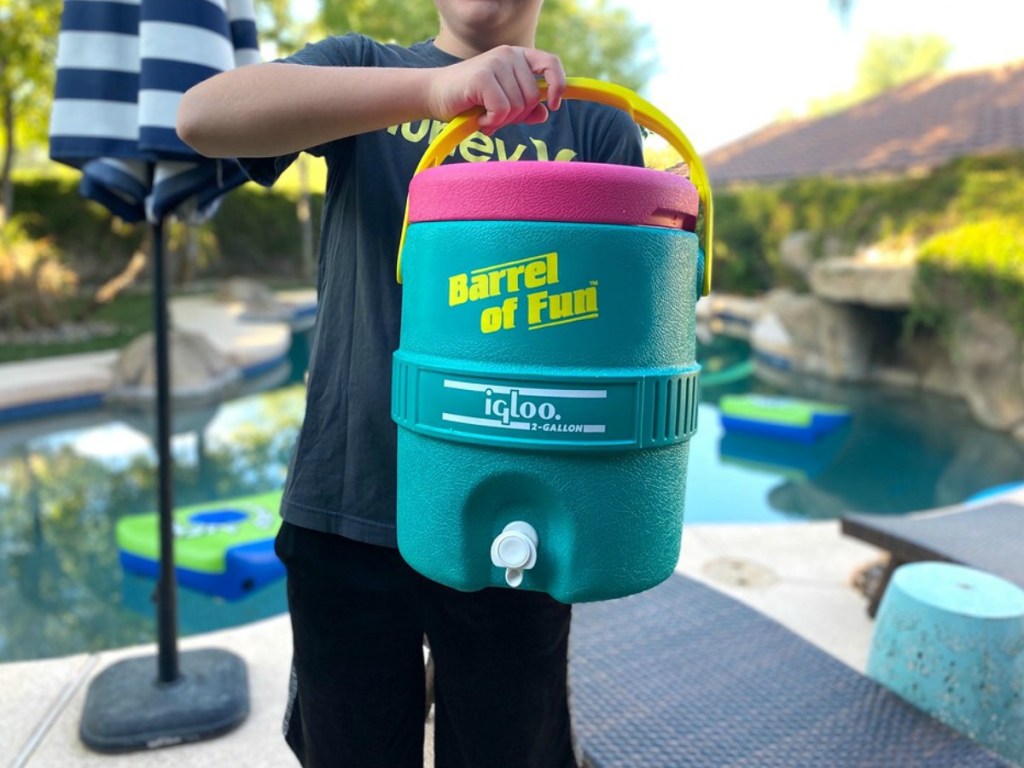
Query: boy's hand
504	82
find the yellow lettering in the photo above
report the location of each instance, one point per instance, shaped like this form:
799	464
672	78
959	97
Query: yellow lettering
436	126
534	276
457	290
415	135
535	304
561	305
393	130
564	155
552	260
584	300
541	147
478	148
478	289
495	281
513	278
490	320
503	152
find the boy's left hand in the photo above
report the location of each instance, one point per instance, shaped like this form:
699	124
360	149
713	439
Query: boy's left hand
504	82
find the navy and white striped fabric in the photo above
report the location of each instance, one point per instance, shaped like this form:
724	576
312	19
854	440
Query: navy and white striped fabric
122	66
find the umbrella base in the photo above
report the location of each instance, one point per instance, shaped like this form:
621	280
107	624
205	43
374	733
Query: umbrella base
128	709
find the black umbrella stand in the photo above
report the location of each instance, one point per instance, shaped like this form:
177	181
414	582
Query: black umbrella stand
135	704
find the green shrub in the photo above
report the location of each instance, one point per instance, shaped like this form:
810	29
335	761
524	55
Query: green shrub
751	222
33	282
259	234
255	232
979	263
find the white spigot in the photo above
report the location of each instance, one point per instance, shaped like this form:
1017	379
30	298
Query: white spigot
515	550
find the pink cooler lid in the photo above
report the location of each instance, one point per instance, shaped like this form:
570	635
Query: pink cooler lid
589	193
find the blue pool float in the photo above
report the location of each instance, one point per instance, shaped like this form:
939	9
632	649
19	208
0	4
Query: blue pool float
787	418
226	549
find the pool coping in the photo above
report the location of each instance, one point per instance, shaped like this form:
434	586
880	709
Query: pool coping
256	344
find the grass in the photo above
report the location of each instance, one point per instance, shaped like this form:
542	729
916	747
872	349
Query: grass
130	314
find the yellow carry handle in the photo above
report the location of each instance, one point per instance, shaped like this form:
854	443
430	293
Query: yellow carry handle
639	109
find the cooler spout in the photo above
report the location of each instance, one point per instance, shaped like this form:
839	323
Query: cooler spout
515	550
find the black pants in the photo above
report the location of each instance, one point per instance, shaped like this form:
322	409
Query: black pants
359	613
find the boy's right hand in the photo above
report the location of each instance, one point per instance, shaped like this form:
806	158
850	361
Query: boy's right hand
503	81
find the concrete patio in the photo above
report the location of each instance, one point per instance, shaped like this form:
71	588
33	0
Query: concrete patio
799	574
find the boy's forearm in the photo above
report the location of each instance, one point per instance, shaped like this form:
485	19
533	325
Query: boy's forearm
276	108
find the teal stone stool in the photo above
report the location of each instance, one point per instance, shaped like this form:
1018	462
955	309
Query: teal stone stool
950	640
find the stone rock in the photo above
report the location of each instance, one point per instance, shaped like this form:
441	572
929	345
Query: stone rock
769	338
930	357
800	314
892	376
841	342
796	251
197	370
987	357
257	298
874	279
729	315
847	337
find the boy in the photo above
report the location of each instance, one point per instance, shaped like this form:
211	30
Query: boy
358	611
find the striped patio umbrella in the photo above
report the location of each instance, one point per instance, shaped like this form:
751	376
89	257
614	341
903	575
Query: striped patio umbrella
122	66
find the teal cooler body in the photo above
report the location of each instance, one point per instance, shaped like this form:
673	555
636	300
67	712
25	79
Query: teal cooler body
545	386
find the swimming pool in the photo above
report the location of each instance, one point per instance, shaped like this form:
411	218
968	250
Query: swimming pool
65	483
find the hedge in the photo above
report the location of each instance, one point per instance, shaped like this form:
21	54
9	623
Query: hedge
978	264
255	232
751	222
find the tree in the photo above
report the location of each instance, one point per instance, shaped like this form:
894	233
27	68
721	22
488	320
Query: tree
28	42
277	27
597	39
891	61
888	62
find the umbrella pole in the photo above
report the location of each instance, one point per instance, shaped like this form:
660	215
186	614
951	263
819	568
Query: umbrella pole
166	604
204	693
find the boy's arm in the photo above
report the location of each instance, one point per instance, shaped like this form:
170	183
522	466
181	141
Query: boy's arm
274	109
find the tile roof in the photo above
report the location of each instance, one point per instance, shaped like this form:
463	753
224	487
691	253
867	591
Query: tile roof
914	127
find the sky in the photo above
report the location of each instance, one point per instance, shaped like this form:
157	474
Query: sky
730	67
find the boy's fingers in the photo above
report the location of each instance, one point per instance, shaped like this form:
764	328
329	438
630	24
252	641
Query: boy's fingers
550	66
539	115
526	83
516	91
497	106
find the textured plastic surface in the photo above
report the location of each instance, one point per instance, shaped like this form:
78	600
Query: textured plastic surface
684	676
950	639
984	536
518	314
544	191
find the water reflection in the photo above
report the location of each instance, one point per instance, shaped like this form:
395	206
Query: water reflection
61	586
902	451
64	484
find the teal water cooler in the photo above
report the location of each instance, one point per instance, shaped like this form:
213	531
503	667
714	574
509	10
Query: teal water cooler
545	387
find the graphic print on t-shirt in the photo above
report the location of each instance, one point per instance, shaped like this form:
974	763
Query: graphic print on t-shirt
479	148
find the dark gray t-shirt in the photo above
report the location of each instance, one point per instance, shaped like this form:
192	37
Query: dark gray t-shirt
342	474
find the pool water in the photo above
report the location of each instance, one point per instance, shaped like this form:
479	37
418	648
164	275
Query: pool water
64	484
